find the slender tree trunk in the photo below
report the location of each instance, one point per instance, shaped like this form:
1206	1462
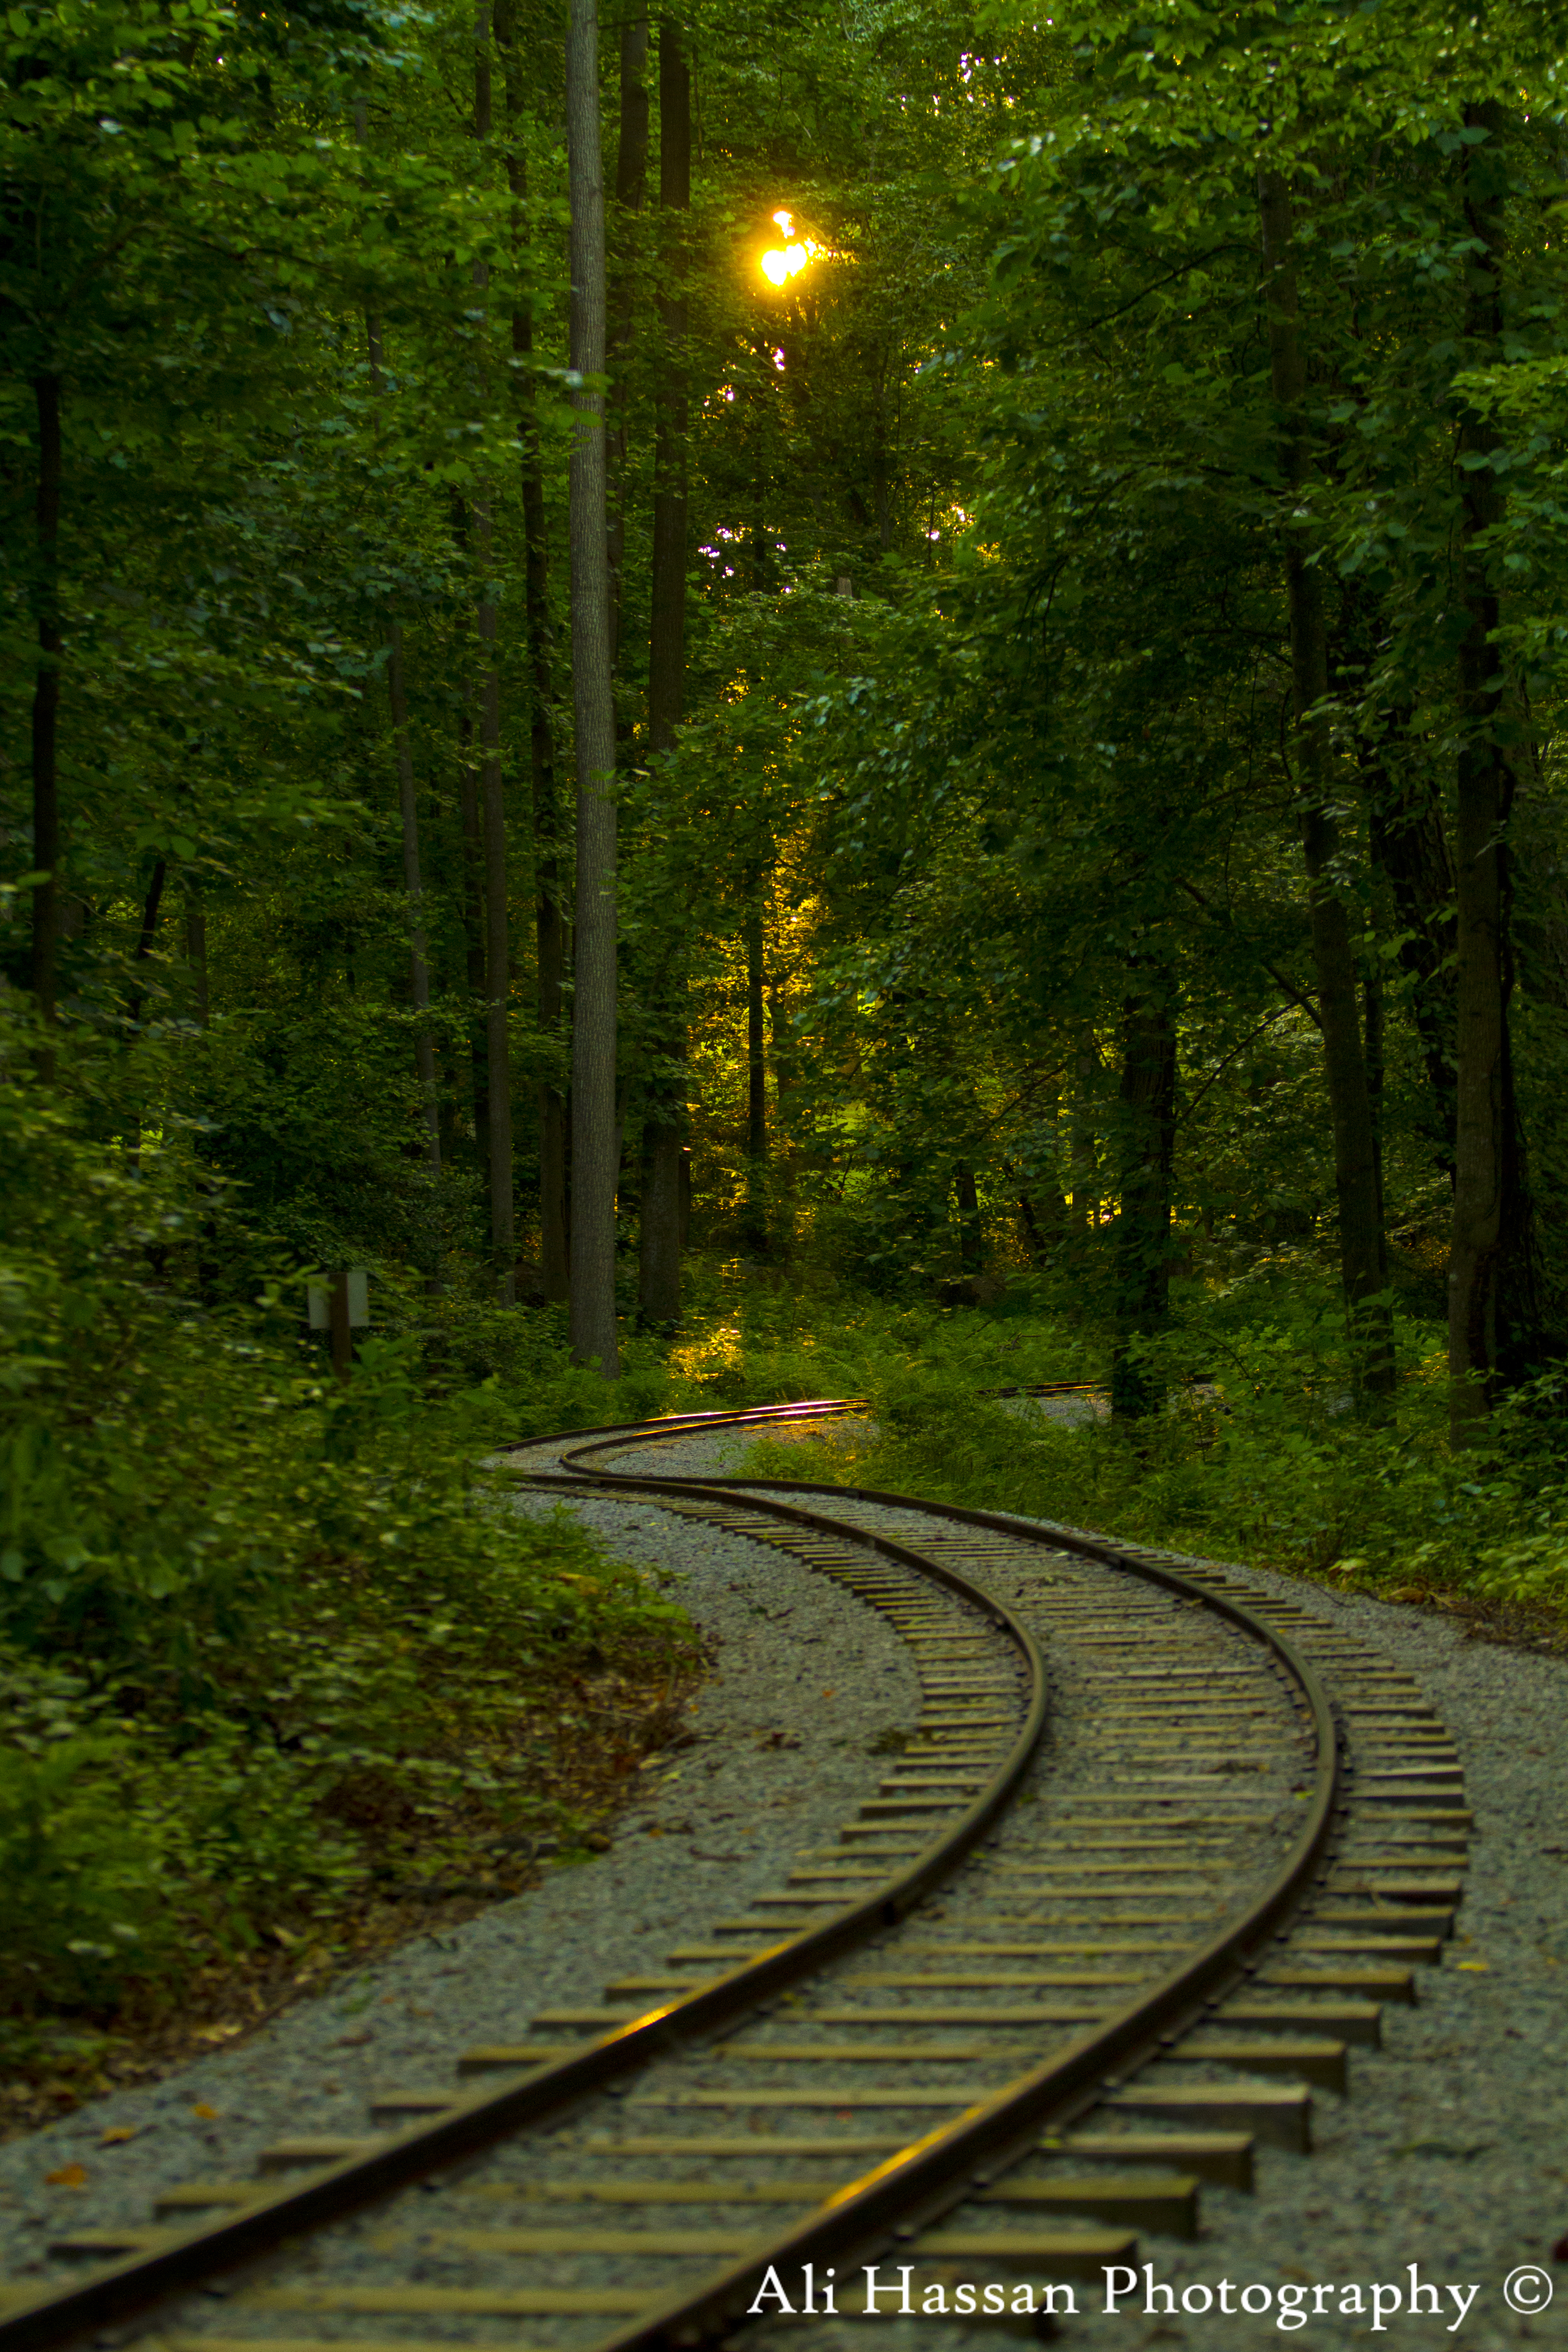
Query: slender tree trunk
147	934
46	706
419	966
1410	850
666	635
196	952
1492	1312
785	1080
420	974
552	943
631	190
658	1271
497	973
595	1141
474	922
551	930
756	1038
1373	1030
1146	1135
1370	1321
666	1167
756	1216
498	962
144	939
1401	787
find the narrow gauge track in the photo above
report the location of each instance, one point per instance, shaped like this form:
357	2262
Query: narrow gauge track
1132	1887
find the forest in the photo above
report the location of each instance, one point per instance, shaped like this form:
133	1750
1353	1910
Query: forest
848	699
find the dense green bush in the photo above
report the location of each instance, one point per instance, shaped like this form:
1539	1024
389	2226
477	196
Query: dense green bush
262	1638
1265	1462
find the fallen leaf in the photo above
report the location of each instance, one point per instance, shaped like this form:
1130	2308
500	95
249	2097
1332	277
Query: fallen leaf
69	2175
117	2133
828	1694
209	2114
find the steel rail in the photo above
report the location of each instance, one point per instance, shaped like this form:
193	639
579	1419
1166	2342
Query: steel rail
116	2290
896	2200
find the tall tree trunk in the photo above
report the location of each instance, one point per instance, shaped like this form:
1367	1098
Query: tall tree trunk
551	930
497	968
1370	1321
148	933
665	1164
1146	1134
407	810
1409	847
756	1216
781	1206
196	952
1371	1021
631	190
473	868
1410	850
553	949
498	961
1493	1310
46	706
474	923
661	1219
596	1139
419	966
666	635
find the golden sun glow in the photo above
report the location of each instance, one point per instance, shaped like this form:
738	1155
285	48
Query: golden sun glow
785	261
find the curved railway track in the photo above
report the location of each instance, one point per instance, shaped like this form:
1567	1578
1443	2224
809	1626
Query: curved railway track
1153	1856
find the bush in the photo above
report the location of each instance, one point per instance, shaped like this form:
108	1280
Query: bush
269	1644
1267	1464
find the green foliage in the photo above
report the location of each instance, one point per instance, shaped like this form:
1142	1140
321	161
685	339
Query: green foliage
1263	1462
264	1638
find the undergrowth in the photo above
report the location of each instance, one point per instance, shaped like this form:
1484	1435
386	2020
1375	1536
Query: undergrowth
275	1657
1264	1460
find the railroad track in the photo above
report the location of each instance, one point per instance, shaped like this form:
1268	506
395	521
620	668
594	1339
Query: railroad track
1154	1858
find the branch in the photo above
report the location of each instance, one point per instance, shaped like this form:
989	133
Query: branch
1266	1024
1286	987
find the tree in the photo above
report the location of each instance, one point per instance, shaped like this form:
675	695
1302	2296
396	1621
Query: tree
595	1141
